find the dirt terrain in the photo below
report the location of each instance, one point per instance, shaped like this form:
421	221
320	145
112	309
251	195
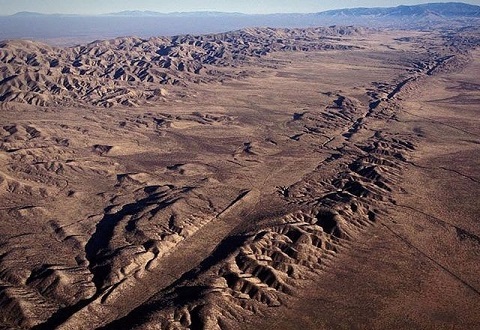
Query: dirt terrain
259	179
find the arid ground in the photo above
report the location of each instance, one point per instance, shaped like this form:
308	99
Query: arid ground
260	179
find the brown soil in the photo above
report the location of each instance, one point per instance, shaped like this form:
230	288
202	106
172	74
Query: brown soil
265	179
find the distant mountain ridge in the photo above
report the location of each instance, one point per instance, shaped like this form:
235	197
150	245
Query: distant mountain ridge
148	13
66	29
35	14
445	9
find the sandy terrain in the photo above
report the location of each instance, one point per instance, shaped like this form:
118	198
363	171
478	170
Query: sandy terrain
263	179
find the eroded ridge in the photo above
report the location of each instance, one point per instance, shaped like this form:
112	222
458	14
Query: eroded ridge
255	271
192	215
133	71
265	266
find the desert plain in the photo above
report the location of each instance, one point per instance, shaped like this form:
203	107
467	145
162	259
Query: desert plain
320	178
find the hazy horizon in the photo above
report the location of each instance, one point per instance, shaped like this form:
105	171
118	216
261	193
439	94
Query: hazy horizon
91	7
84	28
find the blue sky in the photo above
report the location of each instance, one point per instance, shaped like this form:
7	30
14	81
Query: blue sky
8	7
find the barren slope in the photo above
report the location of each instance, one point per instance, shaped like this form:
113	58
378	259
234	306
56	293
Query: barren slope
131	71
229	199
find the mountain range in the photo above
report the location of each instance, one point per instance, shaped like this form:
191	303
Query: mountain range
447	9
66	29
